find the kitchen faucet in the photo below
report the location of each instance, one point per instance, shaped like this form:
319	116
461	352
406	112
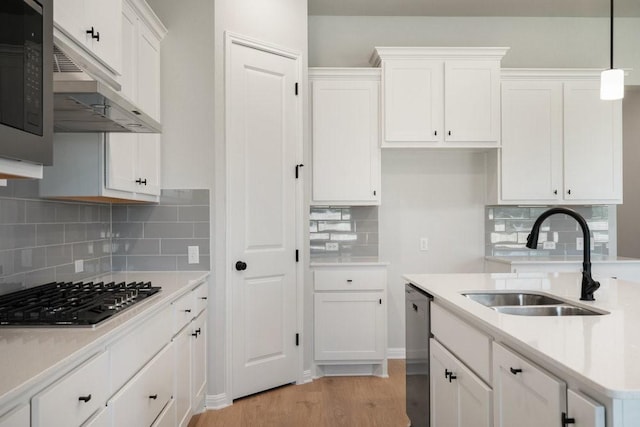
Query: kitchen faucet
589	286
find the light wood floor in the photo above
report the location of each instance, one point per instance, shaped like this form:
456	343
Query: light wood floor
325	402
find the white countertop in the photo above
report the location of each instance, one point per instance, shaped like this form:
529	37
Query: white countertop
346	261
566	259
29	354
602	352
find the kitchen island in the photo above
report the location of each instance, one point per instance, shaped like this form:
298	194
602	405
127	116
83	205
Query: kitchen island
594	357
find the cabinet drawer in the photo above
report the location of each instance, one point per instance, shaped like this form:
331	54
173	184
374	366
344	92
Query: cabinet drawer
132	351
72	399
184	310
168	416
143	398
201	293
350	279
467	343
18	417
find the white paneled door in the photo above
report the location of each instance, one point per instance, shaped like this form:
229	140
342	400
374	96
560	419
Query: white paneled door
262	143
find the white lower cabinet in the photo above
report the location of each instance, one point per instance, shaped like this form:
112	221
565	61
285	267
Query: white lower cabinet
525	395
583	411
74	398
17	417
199	360
350	319
142	399
458	397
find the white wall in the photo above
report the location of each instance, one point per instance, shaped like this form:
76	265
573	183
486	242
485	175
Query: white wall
433	194
279	22
629	211
187	93
535	42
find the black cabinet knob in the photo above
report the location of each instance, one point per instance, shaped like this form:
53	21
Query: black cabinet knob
241	266
449	133
515	371
569	191
555	192
84	399
435	133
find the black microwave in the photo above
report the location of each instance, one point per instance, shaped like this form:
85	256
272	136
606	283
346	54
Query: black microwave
26	80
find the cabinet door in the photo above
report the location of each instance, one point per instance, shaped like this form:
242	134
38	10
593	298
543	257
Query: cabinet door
148	164
148	72
592	144
69	17
122	159
182	397
531	159
472	101
350	326
346	160
413	100
458	397
199	359
105	16
18	417
586	412
128	79
524	395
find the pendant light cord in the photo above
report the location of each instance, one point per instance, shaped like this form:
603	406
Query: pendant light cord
611	34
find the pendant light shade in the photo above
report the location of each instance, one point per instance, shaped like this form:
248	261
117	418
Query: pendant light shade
611	80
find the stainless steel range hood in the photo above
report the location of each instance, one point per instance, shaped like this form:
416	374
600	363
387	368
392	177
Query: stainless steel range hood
82	103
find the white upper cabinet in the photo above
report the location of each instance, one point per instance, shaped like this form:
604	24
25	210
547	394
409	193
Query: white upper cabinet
560	143
440	97
95	25
345	137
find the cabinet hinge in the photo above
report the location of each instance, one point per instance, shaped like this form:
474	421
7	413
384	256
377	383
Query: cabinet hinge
297	255
297	340
296	88
298	166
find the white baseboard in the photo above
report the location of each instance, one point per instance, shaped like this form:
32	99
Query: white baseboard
216	401
396	353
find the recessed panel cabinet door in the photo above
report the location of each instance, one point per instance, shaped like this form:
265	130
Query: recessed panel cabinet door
472	101
413	99
592	144
524	395
346	160
531	161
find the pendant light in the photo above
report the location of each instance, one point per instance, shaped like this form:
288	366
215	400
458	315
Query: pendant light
612	80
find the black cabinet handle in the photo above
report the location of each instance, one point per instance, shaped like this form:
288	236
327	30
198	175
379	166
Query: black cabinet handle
84	399
349	280
415	307
452	377
153	396
141	181
203	297
195	334
94	34
447	373
435	133
569	191
515	371
449	133
188	310
241	266
566	420
198	331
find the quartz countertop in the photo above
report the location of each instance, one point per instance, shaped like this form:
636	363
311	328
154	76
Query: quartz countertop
600	351
346	261
566	259
31	354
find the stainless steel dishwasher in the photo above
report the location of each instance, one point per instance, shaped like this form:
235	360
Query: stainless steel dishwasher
418	332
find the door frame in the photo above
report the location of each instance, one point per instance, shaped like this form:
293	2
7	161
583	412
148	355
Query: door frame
231	39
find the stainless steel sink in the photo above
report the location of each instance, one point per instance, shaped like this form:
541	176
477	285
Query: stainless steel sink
546	310
499	299
528	304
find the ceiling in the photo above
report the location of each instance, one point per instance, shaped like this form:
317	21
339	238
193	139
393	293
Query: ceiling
546	8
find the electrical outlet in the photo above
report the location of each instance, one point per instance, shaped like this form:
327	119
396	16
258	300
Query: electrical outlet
549	245
331	246
79	266
424	244
579	243
194	254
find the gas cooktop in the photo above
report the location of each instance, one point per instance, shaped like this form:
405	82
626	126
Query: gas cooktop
71	304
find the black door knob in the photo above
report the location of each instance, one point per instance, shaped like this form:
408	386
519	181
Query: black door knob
241	266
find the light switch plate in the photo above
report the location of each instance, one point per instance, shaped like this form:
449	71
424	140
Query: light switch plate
194	254
424	244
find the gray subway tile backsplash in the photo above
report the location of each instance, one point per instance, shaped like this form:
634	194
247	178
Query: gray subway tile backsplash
350	231
40	239
507	228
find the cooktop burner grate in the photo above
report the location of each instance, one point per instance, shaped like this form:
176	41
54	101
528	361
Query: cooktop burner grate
71	304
